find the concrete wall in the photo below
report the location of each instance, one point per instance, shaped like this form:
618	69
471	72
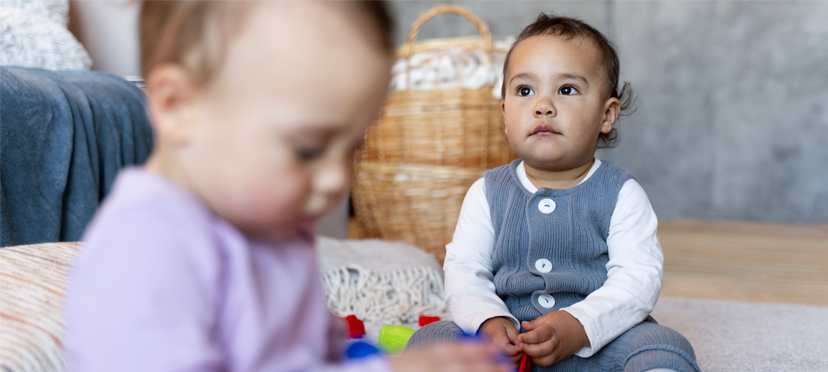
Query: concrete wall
109	32
733	117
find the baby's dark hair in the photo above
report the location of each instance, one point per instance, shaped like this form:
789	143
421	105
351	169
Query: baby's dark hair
570	28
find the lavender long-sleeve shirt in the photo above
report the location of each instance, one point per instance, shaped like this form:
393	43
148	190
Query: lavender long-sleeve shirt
164	285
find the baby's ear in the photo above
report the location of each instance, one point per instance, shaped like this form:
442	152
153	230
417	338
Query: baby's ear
171	96
611	110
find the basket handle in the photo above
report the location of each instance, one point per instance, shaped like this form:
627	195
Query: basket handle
482	28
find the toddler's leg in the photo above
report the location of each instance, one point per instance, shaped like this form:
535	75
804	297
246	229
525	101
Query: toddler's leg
647	346
434	334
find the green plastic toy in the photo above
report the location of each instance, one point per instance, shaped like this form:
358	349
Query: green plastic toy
392	338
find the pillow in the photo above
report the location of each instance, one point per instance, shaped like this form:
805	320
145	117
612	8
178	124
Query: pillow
56	11
32	283
33	33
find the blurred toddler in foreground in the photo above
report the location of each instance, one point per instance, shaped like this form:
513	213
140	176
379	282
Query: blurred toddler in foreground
203	260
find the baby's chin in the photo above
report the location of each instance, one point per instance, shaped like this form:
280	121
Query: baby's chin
554	163
545	159
279	228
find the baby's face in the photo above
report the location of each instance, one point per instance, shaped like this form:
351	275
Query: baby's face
555	103
279	125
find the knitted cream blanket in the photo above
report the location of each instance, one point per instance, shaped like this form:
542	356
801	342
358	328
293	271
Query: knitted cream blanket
453	68
381	282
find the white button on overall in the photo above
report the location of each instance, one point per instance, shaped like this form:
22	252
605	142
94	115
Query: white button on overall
547	301
543	265
547	206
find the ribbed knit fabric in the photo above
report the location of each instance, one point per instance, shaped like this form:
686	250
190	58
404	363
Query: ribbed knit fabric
644	347
573	237
567	230
434	334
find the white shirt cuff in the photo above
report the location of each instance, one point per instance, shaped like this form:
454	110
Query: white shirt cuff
591	331
478	319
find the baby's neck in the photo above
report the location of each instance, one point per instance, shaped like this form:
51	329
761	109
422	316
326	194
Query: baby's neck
560	178
163	163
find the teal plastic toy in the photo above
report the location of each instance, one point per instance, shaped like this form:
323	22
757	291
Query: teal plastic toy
392	338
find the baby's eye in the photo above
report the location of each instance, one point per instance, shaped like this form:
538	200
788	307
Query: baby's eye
524	91
568	90
308	153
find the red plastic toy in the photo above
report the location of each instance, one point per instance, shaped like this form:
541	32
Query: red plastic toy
525	364
356	328
428	319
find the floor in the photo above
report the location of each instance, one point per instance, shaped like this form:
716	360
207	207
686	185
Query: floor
743	261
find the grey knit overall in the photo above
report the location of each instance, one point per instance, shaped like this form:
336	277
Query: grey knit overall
551	252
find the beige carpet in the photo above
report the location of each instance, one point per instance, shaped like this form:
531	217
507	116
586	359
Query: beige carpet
739	336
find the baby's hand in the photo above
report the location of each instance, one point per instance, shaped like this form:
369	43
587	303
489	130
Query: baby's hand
460	357
552	337
503	335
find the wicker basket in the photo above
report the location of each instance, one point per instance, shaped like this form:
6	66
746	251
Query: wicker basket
427	149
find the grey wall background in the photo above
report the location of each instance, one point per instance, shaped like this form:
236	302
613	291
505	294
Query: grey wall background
733	117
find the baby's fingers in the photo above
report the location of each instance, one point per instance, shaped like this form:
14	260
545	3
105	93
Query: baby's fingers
480	365
502	342
539	350
471	357
467	357
536	335
545	361
528	326
512	332
467	352
515	359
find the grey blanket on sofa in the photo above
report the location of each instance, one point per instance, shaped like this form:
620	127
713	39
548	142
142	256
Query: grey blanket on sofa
63	138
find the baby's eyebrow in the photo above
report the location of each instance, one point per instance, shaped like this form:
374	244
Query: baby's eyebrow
524	75
573	76
562	76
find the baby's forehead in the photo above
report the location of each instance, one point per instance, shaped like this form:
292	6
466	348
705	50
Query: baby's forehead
296	71
280	41
572	52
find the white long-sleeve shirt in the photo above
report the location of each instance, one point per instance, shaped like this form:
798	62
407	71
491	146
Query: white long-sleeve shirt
626	298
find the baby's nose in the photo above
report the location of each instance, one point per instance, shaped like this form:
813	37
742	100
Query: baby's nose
544	108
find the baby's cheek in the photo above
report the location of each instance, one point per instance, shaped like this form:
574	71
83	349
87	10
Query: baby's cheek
282	199
265	205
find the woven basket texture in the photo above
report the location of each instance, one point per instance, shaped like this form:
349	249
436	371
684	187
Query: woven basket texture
426	150
32	284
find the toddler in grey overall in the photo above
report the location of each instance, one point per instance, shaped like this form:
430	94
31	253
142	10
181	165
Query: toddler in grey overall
556	256
551	253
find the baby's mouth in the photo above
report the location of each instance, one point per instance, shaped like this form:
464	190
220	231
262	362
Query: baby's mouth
544	130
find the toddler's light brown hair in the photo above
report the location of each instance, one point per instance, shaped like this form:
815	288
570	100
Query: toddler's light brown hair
196	34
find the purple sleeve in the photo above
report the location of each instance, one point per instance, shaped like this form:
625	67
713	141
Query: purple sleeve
147	294
374	364
143	296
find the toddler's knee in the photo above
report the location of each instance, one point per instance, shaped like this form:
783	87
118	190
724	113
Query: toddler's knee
657	346
434	334
650	335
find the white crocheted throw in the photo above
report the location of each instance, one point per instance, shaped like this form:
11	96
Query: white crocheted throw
381	282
